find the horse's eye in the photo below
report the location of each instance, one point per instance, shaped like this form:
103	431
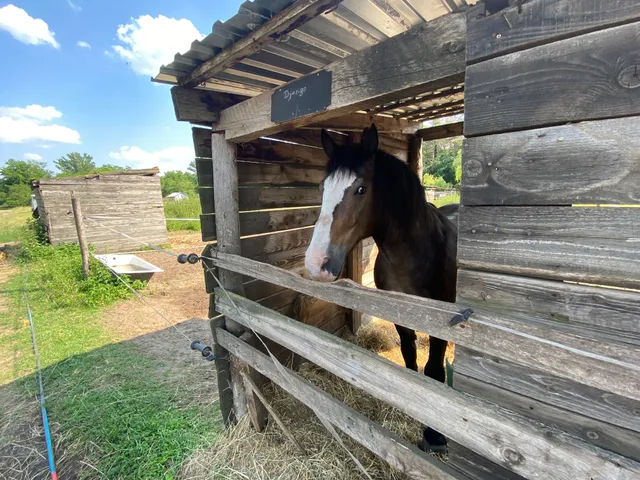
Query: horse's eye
361	189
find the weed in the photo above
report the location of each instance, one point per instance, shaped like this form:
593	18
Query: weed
187	208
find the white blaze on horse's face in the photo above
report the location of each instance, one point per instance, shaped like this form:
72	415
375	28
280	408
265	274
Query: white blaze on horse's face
335	185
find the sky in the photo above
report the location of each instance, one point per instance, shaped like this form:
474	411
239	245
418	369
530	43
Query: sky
76	78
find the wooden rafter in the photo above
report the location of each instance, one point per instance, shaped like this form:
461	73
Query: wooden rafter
284	22
391	70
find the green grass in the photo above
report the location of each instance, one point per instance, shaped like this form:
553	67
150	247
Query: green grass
188	208
447	200
11	222
118	414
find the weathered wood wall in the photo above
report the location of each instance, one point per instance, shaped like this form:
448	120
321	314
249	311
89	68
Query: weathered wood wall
131	204
545	86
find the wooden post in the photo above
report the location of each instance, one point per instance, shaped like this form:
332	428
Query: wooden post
355	271
415	155
82	240
225	199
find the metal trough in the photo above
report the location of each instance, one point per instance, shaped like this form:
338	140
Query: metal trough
127	264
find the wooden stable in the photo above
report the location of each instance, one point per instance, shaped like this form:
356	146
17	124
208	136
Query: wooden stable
129	201
546	379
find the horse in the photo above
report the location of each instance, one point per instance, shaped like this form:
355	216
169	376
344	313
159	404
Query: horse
367	192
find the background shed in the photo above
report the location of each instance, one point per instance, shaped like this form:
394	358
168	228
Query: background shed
129	201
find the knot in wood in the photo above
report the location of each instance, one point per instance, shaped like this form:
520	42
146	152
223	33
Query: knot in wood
512	457
630	77
592	435
472	168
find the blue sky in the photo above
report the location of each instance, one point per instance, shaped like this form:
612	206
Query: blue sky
96	96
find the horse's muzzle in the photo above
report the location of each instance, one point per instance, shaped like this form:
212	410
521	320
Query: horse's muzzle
325	267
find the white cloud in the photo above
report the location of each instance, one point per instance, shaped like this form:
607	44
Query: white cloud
173	158
33	123
74	7
149	42
33	112
24	28
83	44
32	156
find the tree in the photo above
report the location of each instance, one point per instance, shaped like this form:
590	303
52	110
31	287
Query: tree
192	167
16	176
75	164
457	165
178	181
440	157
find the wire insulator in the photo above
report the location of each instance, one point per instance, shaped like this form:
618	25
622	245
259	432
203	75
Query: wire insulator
207	352
191	258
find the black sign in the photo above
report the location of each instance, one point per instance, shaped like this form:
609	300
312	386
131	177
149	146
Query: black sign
309	94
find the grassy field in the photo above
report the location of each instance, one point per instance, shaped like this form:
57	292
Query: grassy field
116	414
11	222
447	200
188	208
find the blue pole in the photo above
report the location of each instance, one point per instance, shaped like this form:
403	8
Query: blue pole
45	418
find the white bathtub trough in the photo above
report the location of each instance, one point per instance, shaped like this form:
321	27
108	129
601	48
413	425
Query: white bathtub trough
127	264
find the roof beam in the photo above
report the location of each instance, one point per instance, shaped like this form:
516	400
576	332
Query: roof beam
284	22
425	58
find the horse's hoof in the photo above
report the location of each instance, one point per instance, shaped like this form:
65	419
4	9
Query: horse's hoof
433	441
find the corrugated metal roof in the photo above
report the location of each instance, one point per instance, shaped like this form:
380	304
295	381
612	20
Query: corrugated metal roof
351	26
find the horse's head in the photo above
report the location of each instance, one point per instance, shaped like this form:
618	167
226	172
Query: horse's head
346	216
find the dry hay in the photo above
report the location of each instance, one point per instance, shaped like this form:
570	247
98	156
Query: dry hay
242	453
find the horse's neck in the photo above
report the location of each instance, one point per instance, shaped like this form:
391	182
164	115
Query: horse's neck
412	240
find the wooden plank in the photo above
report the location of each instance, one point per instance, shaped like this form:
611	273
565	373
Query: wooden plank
264	198
280	152
263	174
357	122
391	448
546	85
590	245
253	223
201	105
601	434
541	21
259	246
598	313
355	272
390	70
590	162
549	389
441	131
475	466
280	24
498	434
516	340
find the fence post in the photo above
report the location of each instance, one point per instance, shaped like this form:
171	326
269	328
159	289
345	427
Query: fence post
82	240
225	199
415	160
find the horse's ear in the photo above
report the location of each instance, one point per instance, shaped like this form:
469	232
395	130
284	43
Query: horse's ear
327	143
369	141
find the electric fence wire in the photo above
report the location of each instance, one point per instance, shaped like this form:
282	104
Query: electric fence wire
43	408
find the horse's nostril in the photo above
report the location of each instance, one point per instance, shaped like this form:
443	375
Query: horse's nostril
325	260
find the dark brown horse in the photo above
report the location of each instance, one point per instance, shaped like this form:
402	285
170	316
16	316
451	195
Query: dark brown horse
370	193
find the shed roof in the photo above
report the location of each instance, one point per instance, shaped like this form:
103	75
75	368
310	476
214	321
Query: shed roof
350	26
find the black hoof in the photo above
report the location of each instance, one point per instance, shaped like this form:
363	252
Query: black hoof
433	441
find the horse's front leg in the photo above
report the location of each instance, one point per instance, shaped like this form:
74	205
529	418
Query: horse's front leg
408	347
432	439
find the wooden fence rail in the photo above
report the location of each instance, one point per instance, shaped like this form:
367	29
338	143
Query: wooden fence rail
388	446
514	340
500	435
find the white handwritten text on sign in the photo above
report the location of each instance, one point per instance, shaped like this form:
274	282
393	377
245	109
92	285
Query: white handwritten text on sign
304	96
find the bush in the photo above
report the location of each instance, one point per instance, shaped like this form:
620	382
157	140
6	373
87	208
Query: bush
57	271
429	180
